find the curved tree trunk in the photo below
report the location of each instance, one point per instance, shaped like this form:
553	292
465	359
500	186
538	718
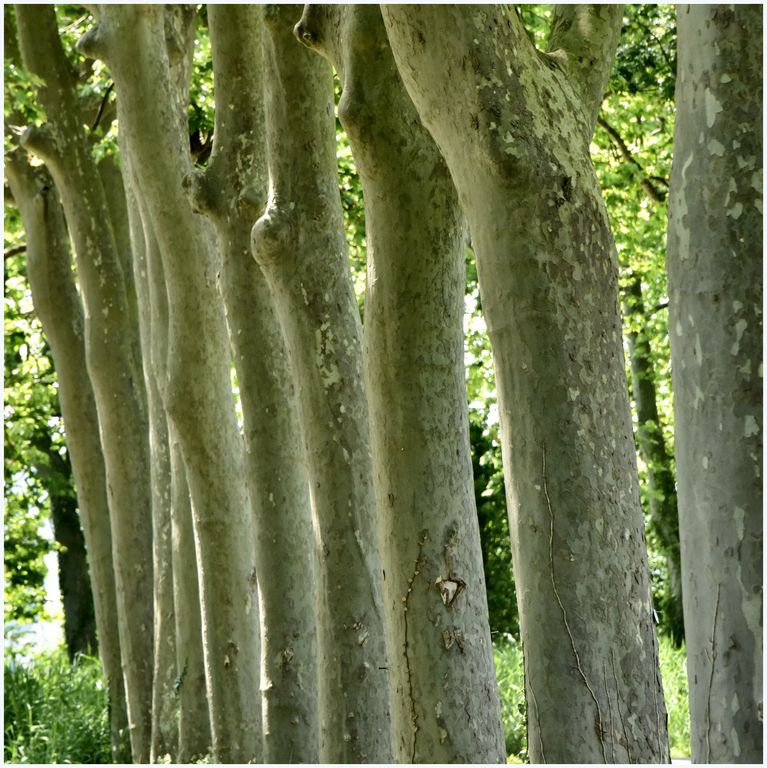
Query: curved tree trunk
58	306
232	192
197	393
299	243
110	354
715	304
516	139
445	699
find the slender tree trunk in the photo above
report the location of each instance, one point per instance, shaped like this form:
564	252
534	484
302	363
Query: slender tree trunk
232	192
516	140
715	304
197	393
110	353
74	579
58	306
445	699
194	737
299	243
661	484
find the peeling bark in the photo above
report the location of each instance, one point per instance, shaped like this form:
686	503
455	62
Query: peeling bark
514	126
445	698
299	244
715	304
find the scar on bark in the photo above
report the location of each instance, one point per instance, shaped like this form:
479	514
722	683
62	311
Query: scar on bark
406	599
711	677
600	729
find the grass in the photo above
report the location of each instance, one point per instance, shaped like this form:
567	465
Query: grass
508	667
57	713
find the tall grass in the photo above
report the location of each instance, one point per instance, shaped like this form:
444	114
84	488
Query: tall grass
508	667
57	713
54	711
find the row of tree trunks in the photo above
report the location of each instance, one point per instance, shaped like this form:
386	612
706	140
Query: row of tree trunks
59	308
715	302
110	351
445	704
516	139
145	51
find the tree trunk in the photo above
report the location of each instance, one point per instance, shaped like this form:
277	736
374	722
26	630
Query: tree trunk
152	321
110	350
194	738
197	393
299	243
445	699
715	304
74	579
232	192
58	306
516	139
661	484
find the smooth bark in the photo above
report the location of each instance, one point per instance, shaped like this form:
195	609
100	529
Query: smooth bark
299	243
232	192
514	126
445	705
60	310
110	353
140	49
715	304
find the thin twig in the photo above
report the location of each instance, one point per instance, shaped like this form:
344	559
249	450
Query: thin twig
14	250
618	703
525	669
711	678
564	612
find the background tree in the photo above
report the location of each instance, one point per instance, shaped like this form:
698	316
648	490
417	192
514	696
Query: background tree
715	286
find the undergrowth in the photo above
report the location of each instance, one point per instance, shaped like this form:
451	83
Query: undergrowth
57	713
54	711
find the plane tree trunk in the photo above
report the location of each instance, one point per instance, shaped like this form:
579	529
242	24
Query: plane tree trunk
141	45
232	192
516	139
110	351
444	694
715	323
299	244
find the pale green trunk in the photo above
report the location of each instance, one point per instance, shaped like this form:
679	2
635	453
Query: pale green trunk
715	323
299	243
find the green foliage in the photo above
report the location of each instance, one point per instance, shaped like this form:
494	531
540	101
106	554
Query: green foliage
632	151
55	712
509	670
673	668
32	422
489	488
